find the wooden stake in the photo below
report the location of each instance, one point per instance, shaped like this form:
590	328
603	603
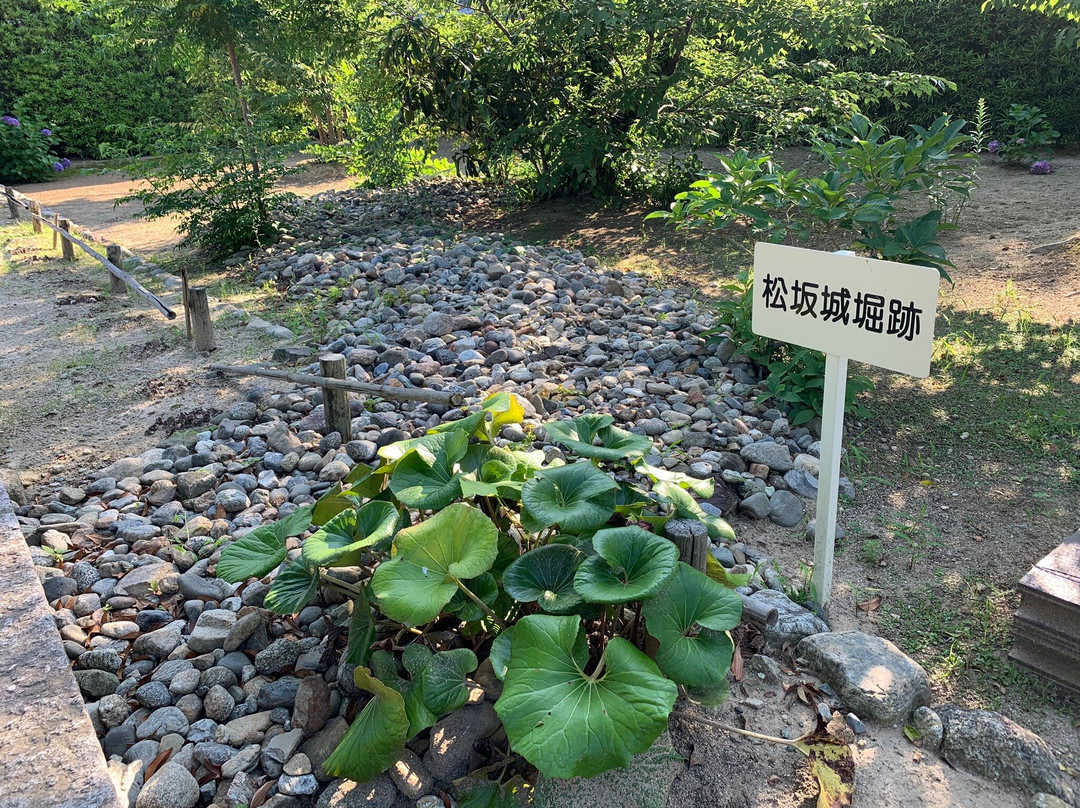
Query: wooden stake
65	243
692	539
336	402
35	211
380	390
201	325
116	256
13	206
832	438
56	229
184	292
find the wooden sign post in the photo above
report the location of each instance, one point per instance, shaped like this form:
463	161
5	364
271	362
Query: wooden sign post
850	307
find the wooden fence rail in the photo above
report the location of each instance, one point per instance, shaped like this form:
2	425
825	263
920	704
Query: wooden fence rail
18	203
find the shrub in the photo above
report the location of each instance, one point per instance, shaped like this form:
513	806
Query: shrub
215	178
1025	138
26	149
461	552
55	62
867	179
1006	55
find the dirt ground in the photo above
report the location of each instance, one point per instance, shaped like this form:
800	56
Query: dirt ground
82	382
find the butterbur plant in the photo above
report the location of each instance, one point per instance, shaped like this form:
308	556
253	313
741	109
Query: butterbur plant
26	149
457	552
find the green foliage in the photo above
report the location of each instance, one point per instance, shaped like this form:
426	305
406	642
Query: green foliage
1025	136
591	96
1006	54
26	148
860	198
55	64
474	576
218	178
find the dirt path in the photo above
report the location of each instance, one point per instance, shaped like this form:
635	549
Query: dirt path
85	376
87	200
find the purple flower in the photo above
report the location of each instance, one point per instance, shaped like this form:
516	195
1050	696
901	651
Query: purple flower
57	167
1041	167
993	147
10	120
66	163
47	132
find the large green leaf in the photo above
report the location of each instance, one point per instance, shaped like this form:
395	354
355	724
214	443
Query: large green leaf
260	551
442	680
377	736
577	497
470	424
293	589
385	668
458	542
703	488
361	630
426	477
690	618
571	724
687	507
582	434
505	408
340	540
546	576
630	564
362	483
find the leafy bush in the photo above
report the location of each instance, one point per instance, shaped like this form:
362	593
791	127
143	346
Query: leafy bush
1025	136
468	553
26	149
55	63
867	179
1006	55
218	179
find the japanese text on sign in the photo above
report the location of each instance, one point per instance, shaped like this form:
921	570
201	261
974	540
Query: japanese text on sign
878	312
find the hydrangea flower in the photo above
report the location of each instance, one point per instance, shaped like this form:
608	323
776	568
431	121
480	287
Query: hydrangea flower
1041	167
993	147
58	167
47	132
66	163
10	120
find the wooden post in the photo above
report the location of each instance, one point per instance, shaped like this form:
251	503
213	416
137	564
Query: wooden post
184	292
13	206
202	326
692	539
68	247
336	402
116	255
832	438
55	235
35	211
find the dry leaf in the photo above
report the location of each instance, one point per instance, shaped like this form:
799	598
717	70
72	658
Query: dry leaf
737	664
833	766
262	794
869	606
157	763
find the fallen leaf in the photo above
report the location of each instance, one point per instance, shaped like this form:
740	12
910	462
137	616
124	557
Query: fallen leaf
870	605
912	734
157	763
260	796
737	664
833	766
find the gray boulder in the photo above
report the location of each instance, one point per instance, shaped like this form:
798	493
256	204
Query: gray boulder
793	622
871	675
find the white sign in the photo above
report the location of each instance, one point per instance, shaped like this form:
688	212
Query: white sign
878	312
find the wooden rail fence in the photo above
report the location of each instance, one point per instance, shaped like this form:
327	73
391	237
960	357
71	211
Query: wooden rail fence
18	204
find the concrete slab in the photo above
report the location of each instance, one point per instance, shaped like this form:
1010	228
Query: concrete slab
50	755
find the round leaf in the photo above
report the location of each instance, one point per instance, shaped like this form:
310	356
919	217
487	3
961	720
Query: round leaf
546	576
458	542
568	723
692	601
251	556
426	477
577	497
340	540
293	588
377	736
631	564
582	434
442	680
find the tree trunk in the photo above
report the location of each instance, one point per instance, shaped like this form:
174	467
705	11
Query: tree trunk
245	114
